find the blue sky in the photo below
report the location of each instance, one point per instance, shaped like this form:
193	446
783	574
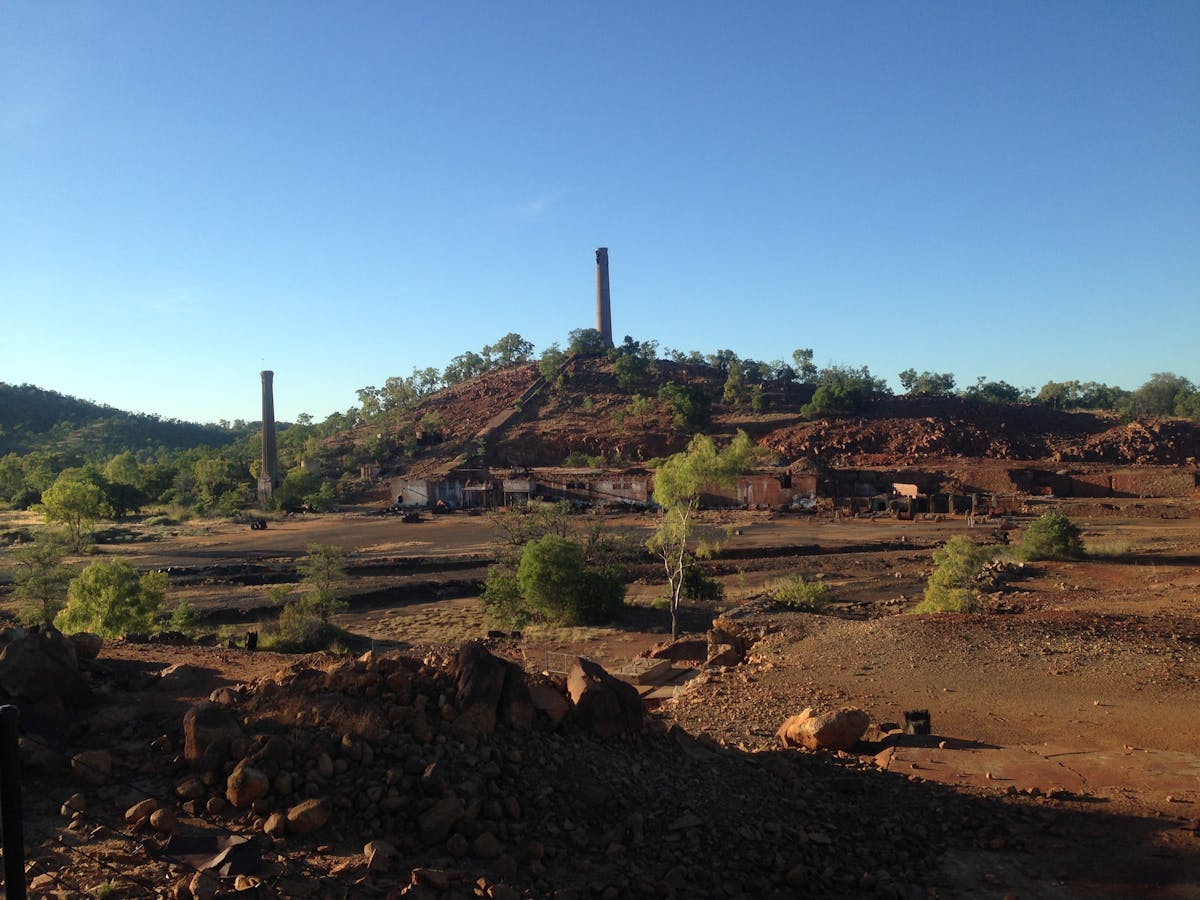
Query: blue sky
190	192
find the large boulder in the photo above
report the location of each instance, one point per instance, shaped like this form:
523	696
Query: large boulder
309	816
490	689
837	730
604	705
40	664
208	731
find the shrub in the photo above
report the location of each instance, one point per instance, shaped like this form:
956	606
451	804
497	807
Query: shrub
557	585
41	579
111	599
700	587
1052	536
183	619
955	584
502	597
796	592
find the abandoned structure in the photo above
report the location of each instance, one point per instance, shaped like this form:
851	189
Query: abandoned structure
268	476
603	305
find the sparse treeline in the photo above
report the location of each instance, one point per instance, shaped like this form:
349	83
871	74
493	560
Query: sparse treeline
126	462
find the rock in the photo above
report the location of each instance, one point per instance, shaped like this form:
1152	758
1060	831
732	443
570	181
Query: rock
479	677
486	846
245	785
140	812
309	816
93	766
40	664
276	825
180	677
191	788
37	756
164	820
838	730
379	856
549	701
75	803
604	705
203	885
208	731
87	645
435	823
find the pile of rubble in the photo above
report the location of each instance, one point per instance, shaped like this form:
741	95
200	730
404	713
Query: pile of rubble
390	776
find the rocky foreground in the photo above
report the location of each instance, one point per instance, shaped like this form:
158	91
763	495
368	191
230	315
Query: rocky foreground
464	776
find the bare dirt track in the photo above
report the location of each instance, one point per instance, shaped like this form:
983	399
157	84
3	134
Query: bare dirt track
1064	760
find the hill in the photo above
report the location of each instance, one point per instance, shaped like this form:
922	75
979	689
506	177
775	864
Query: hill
514	417
33	419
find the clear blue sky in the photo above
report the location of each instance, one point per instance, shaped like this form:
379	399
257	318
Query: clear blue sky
190	192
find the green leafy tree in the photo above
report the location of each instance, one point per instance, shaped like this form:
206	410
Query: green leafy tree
510	350
639	407
557	584
956	584
586	341
1052	536
995	391
931	384
323	579
111	599
1162	394
678	486
689	405
550	364
75	504
844	390
805	370
41	578
736	392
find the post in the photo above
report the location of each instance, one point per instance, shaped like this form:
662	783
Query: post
10	804
603	303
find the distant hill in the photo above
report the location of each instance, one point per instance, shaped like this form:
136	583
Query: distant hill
511	417
35	419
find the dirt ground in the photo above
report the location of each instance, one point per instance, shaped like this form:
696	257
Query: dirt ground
1078	691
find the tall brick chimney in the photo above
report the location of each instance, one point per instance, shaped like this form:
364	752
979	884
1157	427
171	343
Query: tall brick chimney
268	476
603	307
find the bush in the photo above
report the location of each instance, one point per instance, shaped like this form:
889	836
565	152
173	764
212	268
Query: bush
302	629
699	587
183	619
502	597
558	586
956	582
796	592
111	599
1052	536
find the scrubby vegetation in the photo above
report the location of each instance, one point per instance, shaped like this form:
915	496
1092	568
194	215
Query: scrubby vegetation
1052	536
304	624
956	584
799	593
110	598
550	570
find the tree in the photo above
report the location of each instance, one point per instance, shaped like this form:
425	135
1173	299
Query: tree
843	390
549	365
111	599
956	582
464	367
586	341
689	406
929	383
678	485
995	391
558	585
323	578
41	578
805	371
1052	536
75	504
508	351
1161	395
